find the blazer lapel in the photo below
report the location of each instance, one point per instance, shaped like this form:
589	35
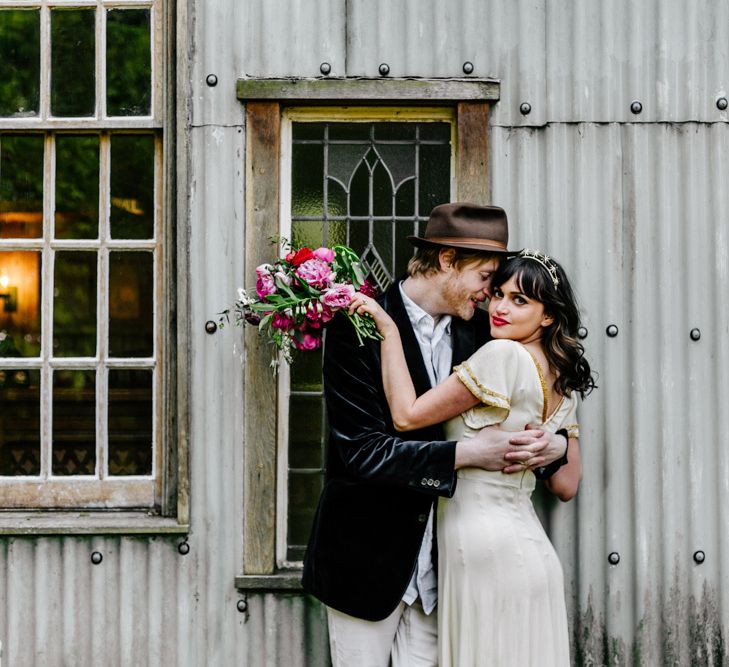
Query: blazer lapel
413	356
464	340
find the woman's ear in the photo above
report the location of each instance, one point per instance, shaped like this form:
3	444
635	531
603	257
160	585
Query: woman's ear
547	320
445	257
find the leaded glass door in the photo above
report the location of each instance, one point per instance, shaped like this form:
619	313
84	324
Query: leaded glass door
368	185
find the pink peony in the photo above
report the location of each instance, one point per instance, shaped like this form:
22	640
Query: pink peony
315	273
338	296
265	285
281	321
309	341
368	288
324	254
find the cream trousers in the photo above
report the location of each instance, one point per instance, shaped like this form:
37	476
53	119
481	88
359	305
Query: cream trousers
406	638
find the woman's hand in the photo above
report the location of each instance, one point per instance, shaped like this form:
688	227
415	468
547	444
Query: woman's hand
362	304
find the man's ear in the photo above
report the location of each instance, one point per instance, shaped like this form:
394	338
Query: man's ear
446	257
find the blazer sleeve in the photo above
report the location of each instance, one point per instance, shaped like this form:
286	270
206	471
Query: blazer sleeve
361	431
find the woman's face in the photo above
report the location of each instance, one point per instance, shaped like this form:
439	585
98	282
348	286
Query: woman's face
514	316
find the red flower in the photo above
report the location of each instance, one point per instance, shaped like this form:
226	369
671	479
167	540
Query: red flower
299	257
368	288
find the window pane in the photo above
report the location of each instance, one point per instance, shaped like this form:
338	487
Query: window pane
132	186
74	423
20	303
73	86
435	170
74	304
305	429
130	422
128	63
304	491
77	187
19	422
306	171
131	311
19	62
21	185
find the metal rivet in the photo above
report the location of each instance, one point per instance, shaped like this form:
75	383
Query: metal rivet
614	558
468	67
582	333
722	104
183	547
612	331
211	327
96	557
211	80
242	605
699	557
695	334
636	107
384	69
325	68
525	108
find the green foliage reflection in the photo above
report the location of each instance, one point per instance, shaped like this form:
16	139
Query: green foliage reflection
19	62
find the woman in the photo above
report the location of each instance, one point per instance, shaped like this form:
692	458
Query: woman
501	595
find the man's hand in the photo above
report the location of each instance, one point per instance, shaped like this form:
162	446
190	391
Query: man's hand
494	449
534	448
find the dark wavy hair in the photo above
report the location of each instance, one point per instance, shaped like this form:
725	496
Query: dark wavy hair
564	352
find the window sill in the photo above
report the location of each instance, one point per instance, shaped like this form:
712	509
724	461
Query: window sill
283	580
88	523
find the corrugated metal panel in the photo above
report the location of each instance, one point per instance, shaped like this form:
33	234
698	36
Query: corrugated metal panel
633	212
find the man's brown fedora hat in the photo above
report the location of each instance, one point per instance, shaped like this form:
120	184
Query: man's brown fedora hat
463	225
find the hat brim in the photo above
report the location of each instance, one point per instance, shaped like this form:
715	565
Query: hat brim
471	244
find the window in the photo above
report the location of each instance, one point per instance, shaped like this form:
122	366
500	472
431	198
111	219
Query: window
367	183
81	255
279	131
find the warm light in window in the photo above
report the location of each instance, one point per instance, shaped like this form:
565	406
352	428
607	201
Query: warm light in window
4	281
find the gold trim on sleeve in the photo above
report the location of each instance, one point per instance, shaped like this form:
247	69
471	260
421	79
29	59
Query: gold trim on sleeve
487	396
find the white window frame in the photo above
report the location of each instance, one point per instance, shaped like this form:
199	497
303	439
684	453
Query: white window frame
155	491
328	115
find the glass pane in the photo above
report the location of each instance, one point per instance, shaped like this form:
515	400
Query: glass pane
74	423
19	422
307	166
306	233
350	131
435	132
305	428
74	304
306	372
311	131
19	62
435	168
382	191
20	303
132	186
130	422
304	490
21	185
128	63
77	187
73	84
394	131
131	306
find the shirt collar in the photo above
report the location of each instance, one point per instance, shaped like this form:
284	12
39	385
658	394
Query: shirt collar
420	318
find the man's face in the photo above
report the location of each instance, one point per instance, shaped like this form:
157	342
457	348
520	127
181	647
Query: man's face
465	287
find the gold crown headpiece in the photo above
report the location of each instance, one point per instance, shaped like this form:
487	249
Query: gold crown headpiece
545	260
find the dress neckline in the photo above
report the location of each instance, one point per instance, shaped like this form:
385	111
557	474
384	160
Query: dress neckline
545	395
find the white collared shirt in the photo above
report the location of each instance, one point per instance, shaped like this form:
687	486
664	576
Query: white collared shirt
436	346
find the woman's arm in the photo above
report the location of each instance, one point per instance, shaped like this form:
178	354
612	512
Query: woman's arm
408	411
566	480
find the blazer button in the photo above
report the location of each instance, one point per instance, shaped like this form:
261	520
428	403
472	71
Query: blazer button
436	483
424	482
422	518
430	482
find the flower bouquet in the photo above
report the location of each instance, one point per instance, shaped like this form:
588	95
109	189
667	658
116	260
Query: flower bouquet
299	293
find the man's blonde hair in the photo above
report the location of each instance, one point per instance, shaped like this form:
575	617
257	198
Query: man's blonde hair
426	261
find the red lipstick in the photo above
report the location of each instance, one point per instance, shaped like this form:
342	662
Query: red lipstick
497	321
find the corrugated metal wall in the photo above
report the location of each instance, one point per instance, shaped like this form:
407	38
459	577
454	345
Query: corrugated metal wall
634	206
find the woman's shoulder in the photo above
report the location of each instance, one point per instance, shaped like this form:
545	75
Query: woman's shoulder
503	347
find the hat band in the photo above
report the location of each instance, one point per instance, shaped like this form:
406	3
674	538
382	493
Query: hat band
447	240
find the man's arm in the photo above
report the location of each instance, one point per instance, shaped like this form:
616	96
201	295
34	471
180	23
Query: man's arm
361	427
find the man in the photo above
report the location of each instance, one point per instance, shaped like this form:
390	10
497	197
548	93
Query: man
371	556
